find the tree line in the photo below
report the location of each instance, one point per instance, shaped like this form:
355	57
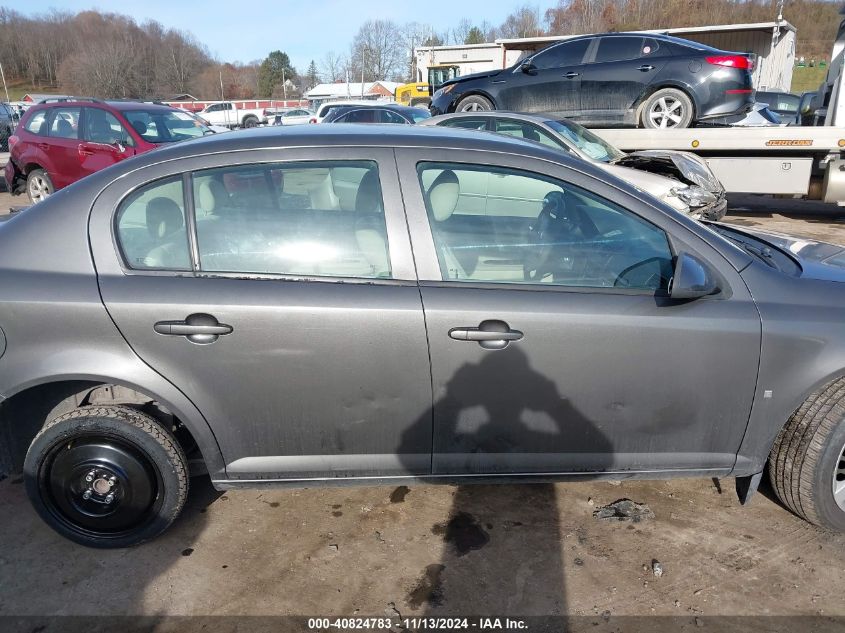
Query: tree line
111	55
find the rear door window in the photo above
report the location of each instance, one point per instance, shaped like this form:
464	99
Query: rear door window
616	49
65	123
322	218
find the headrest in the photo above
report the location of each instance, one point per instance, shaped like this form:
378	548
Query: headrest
139	126
368	199
164	217
64	128
211	196
443	195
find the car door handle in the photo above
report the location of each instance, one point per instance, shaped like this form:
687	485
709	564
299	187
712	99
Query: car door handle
491	334
572	75
645	68
201	329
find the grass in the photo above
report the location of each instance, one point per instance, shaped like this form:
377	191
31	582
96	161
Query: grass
807	79
18	88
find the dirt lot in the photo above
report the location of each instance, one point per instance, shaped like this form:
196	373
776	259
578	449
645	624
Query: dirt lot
502	550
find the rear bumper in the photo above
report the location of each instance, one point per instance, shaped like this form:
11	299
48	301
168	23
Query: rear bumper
12	178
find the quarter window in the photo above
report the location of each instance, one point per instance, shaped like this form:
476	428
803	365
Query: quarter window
151	227
311	219
38	123
495	225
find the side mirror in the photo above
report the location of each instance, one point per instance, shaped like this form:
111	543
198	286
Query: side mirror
692	279
528	68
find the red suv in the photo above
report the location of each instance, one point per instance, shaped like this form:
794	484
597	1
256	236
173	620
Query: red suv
57	143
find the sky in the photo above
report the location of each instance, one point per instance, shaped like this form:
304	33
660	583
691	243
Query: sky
246	30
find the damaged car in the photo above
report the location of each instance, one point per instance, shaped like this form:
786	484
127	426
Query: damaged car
680	179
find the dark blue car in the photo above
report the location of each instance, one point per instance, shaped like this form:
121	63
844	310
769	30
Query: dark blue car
640	79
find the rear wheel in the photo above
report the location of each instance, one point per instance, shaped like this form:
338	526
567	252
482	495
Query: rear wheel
807	462
106	476
667	108
474	103
250	121
38	185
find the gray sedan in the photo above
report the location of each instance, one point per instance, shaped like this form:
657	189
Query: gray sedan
390	304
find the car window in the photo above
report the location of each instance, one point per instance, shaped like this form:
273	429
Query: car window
103	127
614	49
65	123
358	116
151	227
654	48
314	219
38	123
497	225
165	126
467	124
386	116
560	55
530	132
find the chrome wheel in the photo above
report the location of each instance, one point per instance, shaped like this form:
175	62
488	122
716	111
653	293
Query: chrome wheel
99	486
839	480
39	188
666	112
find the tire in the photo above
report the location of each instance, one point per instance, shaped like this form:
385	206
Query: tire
39	186
807	463
250	121
474	103
667	108
80	459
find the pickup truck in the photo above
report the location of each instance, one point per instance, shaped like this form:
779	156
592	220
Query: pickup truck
229	115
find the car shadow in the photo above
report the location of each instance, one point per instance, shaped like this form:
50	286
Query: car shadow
482	425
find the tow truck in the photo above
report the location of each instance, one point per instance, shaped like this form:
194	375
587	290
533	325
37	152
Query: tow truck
806	161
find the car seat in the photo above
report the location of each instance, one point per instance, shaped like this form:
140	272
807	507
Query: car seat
166	228
369	229
442	199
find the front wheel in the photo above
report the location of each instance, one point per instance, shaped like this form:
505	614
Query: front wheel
106	476
38	185
474	103
667	108
807	462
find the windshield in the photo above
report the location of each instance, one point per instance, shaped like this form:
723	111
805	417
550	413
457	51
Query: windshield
582	139
165	126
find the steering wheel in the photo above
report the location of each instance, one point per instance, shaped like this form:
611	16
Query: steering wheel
553	224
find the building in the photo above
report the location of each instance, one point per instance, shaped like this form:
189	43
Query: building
344	90
772	42
33	97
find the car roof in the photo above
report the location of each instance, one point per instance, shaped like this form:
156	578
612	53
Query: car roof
120	106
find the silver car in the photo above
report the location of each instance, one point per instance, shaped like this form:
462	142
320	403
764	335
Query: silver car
374	304
682	180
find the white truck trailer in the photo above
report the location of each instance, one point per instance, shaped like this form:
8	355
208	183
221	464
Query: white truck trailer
802	161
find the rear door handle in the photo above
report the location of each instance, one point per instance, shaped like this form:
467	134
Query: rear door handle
572	75
491	334
201	329
645	68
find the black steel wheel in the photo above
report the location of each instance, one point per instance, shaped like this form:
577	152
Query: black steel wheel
106	476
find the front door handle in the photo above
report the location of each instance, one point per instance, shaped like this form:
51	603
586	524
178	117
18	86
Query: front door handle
491	334
572	75
645	68
201	329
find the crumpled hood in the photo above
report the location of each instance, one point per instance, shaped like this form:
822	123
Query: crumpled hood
818	260
691	169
